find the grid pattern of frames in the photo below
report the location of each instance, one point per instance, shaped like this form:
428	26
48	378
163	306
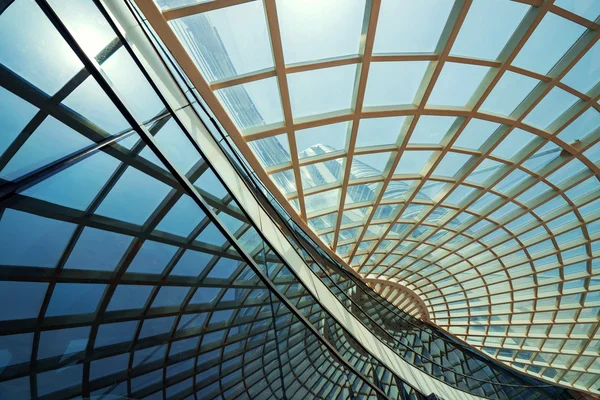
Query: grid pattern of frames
126	267
424	346
447	146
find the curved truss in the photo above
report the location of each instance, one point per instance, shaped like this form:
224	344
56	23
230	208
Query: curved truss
126	267
401	297
493	221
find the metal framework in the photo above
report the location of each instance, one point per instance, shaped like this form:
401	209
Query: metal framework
499	245
126	267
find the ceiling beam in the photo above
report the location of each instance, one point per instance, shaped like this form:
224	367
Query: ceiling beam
277	47
369	28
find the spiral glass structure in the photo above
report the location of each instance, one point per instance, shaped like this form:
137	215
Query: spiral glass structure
299	199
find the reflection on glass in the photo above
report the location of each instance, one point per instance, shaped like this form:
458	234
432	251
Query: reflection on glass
226	42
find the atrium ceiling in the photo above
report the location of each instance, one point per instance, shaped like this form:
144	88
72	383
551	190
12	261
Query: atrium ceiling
449	148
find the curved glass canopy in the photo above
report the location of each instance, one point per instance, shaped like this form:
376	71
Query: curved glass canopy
127	268
448	147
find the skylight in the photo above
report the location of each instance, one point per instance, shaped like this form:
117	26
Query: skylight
447	146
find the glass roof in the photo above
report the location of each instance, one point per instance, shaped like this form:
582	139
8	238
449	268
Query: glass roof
450	147
127	268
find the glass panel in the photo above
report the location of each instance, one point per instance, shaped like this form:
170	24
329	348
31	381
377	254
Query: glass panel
169	296
410	26
458	195
224	269
431	129
156	326
335	30
451	164
586	73
367	165
108	366
485	170
487	28
86	24
32	241
542	157
511	181
552	106
394	83
475	133
211	235
182	218
63	342
152	258
285	181
53	381
74	298
323	222
119	332
210	184
21	300
183	345
272	150
133	88
548	44
322	200
321	91
90	101
412	162
147	356
176	146
47	64
567	171
98	250
513	143
252	105
508	93
133	198
579	129
589	9
170	4
15	349
78	185
429	191
321	173
18	388
50	142
202	295
379	131
456	84
227	42
321	140
15	113
129	297
192	263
